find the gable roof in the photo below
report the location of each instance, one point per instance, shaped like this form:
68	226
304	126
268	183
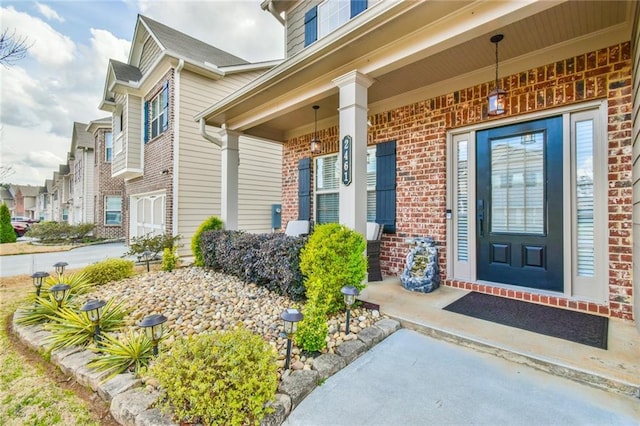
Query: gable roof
80	137
5	194
125	72
189	48
28	190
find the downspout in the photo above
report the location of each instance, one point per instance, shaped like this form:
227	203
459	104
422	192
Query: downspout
209	137
176	146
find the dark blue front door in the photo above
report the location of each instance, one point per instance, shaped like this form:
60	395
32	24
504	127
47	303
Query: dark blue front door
519	204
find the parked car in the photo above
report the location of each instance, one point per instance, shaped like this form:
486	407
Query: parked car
20	228
24	219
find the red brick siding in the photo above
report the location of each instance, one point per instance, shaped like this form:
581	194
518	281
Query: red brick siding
158	156
105	185
420	131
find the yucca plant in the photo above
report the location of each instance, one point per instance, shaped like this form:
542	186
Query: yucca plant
79	282
132	353
73	328
45	309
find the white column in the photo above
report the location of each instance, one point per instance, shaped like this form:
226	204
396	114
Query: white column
229	182
353	122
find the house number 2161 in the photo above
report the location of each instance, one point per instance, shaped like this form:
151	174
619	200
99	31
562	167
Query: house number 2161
346	160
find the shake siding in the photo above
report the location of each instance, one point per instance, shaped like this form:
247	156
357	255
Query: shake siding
635	138
150	52
295	27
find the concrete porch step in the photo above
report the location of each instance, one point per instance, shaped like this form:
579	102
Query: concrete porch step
616	369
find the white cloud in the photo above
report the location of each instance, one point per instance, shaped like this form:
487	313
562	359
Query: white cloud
47	46
241	28
48	12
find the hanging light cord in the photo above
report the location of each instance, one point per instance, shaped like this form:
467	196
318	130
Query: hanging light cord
497	64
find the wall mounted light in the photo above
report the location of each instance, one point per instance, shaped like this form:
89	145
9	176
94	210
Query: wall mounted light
316	145
497	98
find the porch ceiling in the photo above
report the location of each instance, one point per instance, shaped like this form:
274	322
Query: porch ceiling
442	54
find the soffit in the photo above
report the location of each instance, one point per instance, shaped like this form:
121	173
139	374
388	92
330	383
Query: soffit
442	58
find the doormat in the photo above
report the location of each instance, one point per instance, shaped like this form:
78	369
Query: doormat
574	326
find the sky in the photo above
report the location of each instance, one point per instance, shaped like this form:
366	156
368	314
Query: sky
61	80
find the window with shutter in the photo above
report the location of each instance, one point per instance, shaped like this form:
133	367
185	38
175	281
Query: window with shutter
159	112
386	185
311	26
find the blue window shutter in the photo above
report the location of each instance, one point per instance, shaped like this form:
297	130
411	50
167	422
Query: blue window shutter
165	98
386	185
146	121
311	26
304	189
358	6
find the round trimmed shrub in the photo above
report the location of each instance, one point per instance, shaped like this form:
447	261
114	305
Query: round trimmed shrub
109	270
212	223
224	378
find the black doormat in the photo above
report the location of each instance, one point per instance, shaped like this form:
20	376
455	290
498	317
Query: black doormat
574	326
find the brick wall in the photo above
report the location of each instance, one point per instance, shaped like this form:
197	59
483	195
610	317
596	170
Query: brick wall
105	185
158	156
420	131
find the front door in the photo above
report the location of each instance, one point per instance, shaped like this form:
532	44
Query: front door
519	204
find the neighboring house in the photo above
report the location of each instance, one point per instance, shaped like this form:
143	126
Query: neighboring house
533	204
26	200
45	204
6	197
173	178
62	188
81	166
108	190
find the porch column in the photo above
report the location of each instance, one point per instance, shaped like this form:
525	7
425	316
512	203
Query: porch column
353	124
229	181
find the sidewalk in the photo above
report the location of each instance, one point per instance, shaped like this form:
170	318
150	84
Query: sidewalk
412	379
616	369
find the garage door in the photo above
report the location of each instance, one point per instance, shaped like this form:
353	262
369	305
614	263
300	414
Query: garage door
149	214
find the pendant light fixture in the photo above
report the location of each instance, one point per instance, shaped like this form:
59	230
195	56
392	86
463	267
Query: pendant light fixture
497	98
316	145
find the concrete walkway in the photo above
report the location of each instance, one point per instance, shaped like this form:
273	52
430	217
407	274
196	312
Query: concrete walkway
412	379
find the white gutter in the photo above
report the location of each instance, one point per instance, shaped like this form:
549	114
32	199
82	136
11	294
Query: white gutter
211	138
176	145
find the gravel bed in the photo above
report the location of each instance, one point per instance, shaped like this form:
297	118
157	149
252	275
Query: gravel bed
196	300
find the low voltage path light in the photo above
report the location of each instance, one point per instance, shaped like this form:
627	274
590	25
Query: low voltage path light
291	317
152	325
38	280
93	309
350	293
59	292
60	267
146	255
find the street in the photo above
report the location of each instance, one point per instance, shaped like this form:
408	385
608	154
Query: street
76	258
412	379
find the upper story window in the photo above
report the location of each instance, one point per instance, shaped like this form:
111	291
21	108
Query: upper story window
157	114
323	19
108	147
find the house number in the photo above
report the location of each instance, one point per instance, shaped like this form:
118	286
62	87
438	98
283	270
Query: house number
346	160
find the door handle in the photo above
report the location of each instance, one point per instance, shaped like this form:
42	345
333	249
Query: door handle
480	216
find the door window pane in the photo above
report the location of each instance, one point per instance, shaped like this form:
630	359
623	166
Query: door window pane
517	184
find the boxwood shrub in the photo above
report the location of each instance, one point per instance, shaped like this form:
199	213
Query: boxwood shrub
109	270
269	260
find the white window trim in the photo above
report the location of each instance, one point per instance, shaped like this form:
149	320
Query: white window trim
317	191
108	160
323	17
575	288
106	210
162	112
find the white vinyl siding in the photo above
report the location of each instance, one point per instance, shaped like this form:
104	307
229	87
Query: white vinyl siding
150	52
